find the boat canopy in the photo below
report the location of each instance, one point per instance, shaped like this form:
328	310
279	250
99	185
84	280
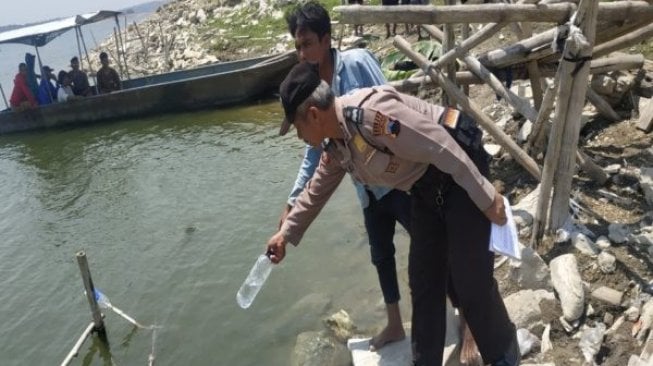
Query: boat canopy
39	35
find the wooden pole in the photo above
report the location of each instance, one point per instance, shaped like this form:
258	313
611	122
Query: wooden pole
599	66
537	139
90	67
488	13
115	42
470	108
448	43
4	97
98	323
458	51
624	41
521	105
79	48
122	45
604	108
75	350
591	168
578	73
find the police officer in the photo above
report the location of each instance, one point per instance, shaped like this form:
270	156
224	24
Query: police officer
389	139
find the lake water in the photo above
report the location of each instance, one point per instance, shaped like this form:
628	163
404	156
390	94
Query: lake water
58	52
172	212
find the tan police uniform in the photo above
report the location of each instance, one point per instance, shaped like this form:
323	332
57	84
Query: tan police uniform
393	140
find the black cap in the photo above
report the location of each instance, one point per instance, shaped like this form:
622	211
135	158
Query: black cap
47	68
295	88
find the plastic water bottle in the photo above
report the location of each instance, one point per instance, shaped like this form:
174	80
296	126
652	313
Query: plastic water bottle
102	299
254	281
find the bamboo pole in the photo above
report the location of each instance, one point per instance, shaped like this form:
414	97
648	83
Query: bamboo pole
75	350
90	67
122	45
488	13
90	293
521	105
624	41
599	66
587	13
458	51
4	97
115	42
591	168
79	48
538	47
470	108
602	106
448	43
537	139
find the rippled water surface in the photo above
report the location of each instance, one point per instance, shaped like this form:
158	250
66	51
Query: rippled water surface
172	211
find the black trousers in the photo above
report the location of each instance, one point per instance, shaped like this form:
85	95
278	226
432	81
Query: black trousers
450	235
381	217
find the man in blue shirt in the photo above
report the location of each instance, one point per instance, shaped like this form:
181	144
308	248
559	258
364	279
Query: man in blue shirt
47	92
310	26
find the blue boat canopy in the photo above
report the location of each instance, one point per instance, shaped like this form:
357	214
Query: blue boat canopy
39	35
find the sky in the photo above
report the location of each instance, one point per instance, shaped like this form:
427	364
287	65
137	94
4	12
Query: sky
19	12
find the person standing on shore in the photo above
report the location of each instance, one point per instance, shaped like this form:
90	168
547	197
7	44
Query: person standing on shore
381	136
310	26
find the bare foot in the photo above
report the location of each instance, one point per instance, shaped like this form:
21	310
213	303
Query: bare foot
387	335
469	354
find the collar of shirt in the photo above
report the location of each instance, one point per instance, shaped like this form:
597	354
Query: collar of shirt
337	70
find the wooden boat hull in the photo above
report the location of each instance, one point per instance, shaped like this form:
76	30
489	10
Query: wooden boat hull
211	86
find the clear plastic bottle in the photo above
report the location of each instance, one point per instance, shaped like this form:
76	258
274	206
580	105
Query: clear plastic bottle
254	281
102	299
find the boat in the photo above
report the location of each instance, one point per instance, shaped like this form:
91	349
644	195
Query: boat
216	85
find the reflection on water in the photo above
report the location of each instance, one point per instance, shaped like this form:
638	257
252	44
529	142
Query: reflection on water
172	212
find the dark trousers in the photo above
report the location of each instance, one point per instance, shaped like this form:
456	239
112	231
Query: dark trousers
450	236
380	219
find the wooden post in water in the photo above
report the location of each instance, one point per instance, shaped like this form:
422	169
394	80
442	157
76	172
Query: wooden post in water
4	97
90	295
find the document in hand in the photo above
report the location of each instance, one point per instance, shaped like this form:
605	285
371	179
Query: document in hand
504	239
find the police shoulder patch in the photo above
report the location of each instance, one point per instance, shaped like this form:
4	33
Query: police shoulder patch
353	114
385	126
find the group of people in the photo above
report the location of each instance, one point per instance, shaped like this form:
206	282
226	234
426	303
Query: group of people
65	86
413	163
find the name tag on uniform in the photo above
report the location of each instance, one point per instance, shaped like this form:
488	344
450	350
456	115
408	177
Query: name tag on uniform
450	118
360	144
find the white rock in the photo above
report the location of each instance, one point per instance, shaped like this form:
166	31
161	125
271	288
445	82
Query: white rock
568	284
492	149
607	262
531	272
608	295
525	131
643	236
528	203
524	306
646	183
603	242
612	168
527	341
201	16
584	244
618	233
632	313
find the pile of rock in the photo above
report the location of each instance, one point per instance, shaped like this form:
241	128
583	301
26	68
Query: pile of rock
180	36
